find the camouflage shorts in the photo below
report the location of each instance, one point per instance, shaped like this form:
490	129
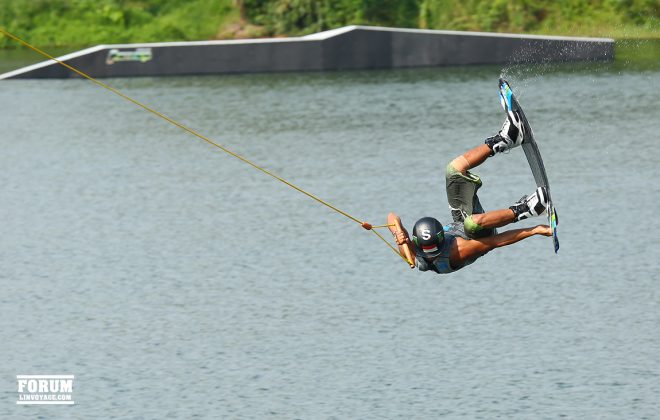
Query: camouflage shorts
463	200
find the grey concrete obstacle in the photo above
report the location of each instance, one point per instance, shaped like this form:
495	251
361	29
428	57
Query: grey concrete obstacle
348	48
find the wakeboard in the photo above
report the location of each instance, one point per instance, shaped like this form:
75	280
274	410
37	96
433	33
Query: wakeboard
533	155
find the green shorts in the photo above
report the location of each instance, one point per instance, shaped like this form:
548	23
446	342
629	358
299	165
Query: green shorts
463	200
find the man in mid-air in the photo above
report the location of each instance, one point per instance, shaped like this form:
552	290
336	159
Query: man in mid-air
445	249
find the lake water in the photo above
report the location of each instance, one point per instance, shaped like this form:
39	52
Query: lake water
175	281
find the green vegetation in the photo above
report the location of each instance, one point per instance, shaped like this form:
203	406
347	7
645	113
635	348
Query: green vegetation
77	23
617	18
611	18
308	16
643	53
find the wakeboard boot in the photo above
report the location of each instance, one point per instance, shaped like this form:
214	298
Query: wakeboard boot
530	206
512	134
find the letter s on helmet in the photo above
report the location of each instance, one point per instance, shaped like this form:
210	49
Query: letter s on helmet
428	236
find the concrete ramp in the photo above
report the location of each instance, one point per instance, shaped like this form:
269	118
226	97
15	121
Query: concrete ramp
347	48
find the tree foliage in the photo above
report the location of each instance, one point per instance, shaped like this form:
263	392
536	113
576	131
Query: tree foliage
306	16
85	22
537	15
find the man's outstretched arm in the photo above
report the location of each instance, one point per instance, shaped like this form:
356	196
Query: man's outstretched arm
406	247
470	249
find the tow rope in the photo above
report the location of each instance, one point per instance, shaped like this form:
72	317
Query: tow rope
364	224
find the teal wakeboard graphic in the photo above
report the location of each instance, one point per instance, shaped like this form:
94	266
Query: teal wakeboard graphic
533	155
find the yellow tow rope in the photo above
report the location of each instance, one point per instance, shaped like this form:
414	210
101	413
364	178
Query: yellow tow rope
364	224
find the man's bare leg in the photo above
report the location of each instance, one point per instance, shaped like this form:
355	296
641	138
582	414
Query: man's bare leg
494	219
472	158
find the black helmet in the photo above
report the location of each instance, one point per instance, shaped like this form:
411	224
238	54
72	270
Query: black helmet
428	235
